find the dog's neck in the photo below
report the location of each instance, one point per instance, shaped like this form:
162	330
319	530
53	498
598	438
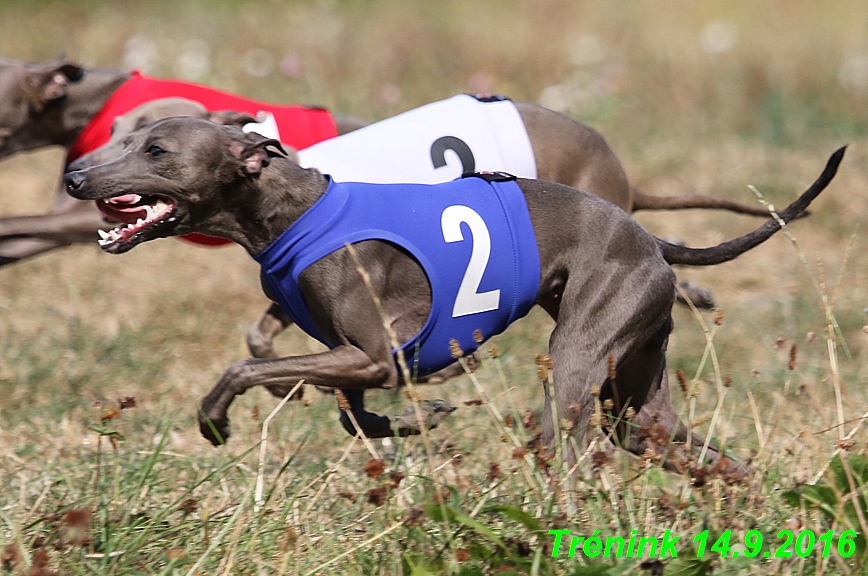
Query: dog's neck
257	210
85	99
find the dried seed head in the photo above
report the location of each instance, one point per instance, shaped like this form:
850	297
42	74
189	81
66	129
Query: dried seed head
595	391
76	526
845	443
611	367
377	496
477	336
649	454
188	506
455	349
608	404
414	517
470	362
494	471
519	453
462	555
473	402
254	414
727	381
343	403
630	413
494	351
529	420
792	365
542	371
508	420
596	420
291	535
682	380
395	478
694	390
109	414
11	557
718	316
126	402
374	467
599	459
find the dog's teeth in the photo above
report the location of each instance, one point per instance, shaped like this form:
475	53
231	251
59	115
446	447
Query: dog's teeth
114	234
139	222
160	205
103	234
149	210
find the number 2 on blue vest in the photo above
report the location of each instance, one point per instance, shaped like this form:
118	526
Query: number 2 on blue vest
469	300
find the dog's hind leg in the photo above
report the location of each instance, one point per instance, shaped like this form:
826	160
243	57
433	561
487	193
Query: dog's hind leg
630	322
404	424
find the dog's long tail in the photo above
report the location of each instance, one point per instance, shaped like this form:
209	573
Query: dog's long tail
644	201
729	250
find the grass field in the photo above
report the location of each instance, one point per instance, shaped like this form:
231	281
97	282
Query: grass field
695	96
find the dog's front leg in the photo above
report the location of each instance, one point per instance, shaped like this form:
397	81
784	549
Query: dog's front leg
342	367
260	337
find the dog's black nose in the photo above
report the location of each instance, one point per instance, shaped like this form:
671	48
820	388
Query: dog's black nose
74	180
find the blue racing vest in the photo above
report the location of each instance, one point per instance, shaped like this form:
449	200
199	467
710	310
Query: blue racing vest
472	237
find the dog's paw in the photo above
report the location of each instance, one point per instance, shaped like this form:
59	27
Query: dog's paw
214	429
700	297
433	413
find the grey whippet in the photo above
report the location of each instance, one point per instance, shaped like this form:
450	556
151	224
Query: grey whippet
604	279
261	335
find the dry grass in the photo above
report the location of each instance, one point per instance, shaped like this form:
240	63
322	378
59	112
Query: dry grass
161	323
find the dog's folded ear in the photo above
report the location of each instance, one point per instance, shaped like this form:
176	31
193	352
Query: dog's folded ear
255	152
232	118
50	82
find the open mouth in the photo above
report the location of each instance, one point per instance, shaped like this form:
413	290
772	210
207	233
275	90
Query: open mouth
137	214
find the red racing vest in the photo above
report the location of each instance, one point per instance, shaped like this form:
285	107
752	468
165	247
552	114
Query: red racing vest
299	126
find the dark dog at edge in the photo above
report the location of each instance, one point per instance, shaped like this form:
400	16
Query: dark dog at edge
604	279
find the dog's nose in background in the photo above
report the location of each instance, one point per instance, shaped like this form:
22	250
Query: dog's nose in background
74	180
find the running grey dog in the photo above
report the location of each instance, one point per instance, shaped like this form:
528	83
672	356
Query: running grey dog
605	280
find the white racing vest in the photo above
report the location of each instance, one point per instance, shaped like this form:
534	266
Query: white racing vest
429	145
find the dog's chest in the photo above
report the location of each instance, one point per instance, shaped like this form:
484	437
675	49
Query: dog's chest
473	240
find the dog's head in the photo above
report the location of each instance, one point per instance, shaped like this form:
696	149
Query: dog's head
175	176
31	97
148	113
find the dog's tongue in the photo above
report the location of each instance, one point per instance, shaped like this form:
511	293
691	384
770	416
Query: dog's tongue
127	208
126	199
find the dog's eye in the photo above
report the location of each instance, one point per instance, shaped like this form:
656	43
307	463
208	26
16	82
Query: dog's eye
155	150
